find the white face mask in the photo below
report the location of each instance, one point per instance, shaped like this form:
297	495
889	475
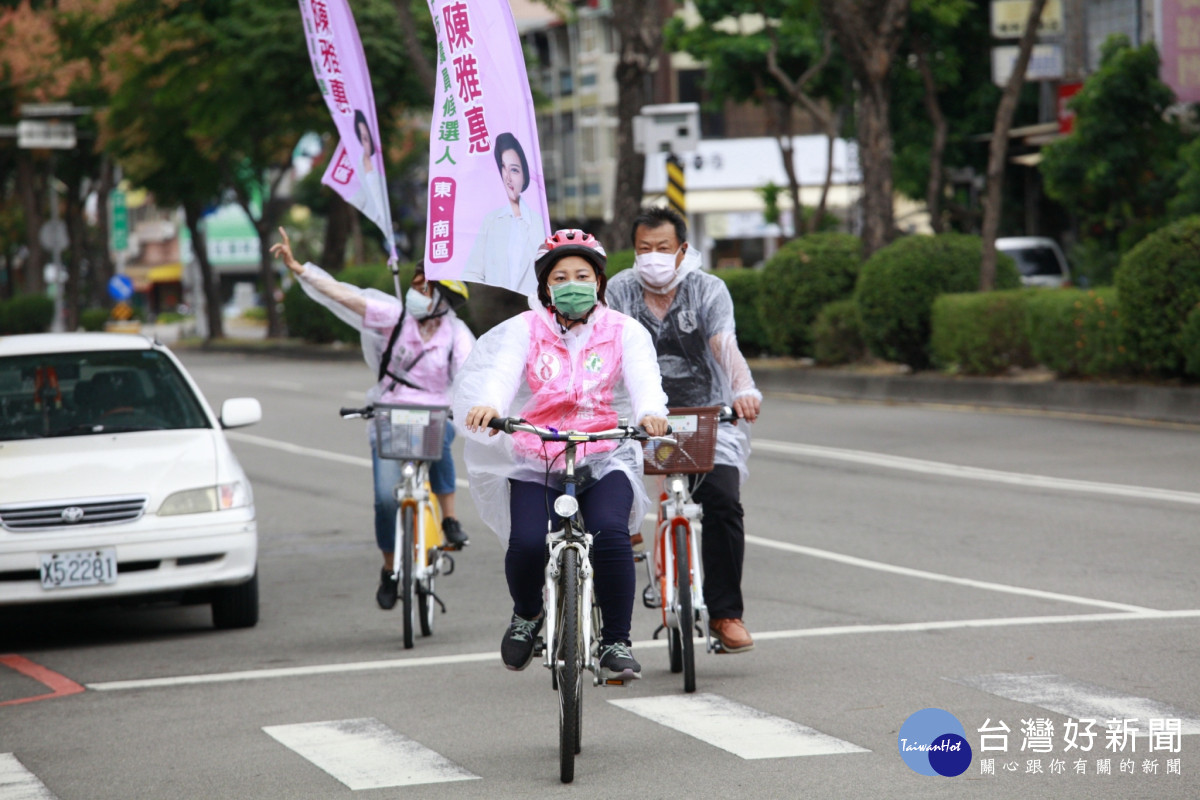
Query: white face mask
656	269
417	304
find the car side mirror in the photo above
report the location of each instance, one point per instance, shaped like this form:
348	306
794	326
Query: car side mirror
238	412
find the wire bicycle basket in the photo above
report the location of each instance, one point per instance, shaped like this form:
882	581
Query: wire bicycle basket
410	433
695	434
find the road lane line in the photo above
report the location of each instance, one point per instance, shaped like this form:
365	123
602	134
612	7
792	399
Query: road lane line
744	731
910	572
297	450
366	754
1079	700
18	783
490	656
974	473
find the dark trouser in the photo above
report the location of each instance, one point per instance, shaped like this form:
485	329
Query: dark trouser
723	541
605	506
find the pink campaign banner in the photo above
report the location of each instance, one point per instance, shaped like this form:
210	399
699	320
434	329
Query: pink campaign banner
356	169
1179	46
487	193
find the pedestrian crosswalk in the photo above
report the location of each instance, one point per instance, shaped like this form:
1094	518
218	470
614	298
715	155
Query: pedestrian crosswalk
365	753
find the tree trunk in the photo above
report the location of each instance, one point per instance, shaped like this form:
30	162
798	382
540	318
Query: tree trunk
787	151
208	283
831	124
412	44
32	205
337	233
998	151
638	24
77	233
102	267
937	149
869	33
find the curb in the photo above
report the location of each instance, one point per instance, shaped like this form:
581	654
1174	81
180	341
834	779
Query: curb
1134	401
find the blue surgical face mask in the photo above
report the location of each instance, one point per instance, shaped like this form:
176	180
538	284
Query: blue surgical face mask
418	304
574	299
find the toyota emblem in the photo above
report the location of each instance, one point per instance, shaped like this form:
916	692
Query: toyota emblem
72	514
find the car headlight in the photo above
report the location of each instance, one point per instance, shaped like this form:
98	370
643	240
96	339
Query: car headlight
210	498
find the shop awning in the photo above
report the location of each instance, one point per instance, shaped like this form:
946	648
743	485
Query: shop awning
166	273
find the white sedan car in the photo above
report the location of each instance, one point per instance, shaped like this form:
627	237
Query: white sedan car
116	480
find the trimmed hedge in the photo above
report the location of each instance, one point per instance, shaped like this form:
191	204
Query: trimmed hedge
26	313
1189	339
1077	332
93	319
980	333
1159	283
837	334
805	275
744	286
898	284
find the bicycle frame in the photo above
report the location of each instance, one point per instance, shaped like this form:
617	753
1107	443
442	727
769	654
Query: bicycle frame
677	508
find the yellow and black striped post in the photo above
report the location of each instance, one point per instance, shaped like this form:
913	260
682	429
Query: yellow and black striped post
676	185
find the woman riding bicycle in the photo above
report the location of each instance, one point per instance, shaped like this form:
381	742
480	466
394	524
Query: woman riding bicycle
571	363
414	347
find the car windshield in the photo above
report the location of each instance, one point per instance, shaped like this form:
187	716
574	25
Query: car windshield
80	394
1036	261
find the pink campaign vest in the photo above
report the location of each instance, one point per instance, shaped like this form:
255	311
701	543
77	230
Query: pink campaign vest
571	393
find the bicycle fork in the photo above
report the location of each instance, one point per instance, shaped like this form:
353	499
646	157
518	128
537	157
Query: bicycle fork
558	542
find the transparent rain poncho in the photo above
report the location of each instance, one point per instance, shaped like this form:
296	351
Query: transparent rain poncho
697	347
494	376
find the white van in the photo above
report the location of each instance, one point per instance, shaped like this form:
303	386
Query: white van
1039	260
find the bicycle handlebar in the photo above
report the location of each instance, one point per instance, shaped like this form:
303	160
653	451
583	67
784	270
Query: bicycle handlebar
727	414
366	412
514	424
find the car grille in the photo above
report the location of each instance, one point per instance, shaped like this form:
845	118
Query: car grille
93	511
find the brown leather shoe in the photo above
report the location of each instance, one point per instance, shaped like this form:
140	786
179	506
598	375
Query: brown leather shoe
732	635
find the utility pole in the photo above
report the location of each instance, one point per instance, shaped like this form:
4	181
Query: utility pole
1074	40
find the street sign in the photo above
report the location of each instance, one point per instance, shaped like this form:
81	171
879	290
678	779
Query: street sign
118	214
1009	16
53	235
120	287
36	134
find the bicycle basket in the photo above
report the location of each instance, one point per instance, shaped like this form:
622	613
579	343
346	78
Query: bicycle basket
410	433
695	430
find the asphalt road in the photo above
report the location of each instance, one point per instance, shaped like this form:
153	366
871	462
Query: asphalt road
1007	568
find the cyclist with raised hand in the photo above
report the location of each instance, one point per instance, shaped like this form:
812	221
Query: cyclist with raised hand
689	314
570	363
414	347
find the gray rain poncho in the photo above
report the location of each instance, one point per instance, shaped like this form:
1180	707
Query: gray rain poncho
697	348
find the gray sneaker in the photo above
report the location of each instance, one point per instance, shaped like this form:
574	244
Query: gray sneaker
617	664
516	648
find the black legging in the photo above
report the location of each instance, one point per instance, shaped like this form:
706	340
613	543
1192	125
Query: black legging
723	545
605	506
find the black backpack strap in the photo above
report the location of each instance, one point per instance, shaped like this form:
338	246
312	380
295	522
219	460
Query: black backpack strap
386	359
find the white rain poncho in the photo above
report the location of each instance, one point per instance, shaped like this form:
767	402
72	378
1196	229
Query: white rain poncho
495	376
697	347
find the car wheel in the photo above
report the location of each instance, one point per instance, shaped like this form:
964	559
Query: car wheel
236	606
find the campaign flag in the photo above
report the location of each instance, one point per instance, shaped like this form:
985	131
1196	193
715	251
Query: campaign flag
356	169
487	193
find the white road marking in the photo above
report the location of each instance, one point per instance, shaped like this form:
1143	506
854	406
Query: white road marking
974	473
744	731
18	783
491	656
366	754
1078	700
909	572
297	450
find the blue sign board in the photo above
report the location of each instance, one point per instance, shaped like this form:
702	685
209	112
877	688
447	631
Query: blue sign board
120	287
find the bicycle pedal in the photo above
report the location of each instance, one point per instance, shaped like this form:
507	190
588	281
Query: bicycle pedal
539	646
650	598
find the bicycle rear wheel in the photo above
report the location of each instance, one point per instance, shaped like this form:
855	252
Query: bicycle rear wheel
406	571
567	667
686	616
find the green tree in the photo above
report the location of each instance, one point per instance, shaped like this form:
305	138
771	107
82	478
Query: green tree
1118	168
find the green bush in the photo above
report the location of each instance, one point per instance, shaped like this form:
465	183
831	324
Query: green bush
618	260
1159	284
743	285
980	333
898	283
26	313
800	279
1076	332
837	334
93	319
1189	341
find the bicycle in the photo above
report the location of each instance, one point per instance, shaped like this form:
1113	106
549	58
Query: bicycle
570	647
676	584
414	434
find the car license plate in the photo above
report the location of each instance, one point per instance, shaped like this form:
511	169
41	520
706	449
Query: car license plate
81	568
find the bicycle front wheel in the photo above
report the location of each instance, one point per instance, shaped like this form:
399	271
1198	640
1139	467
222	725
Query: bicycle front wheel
407	519
568	668
686	616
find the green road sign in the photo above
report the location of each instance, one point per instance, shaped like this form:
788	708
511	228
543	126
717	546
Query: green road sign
119	215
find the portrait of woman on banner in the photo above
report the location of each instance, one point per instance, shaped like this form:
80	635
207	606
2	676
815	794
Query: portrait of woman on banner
369	199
